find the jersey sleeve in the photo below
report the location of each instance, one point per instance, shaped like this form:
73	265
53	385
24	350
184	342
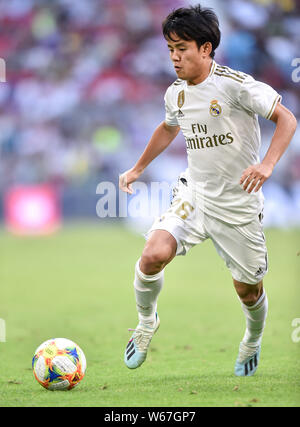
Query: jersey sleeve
170	118
258	98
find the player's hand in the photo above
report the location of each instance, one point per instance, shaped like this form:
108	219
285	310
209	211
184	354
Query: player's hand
254	177
127	178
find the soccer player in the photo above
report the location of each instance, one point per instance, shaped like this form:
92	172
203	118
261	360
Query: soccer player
219	196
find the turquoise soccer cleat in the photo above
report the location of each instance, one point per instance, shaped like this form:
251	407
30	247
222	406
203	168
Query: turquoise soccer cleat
137	347
247	362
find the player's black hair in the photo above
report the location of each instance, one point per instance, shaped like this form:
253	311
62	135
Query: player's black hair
193	23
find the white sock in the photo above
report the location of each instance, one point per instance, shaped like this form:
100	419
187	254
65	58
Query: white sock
147	289
255	321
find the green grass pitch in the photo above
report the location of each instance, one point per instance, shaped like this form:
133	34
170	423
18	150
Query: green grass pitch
77	284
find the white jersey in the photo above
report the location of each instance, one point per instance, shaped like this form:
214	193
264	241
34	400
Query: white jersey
219	120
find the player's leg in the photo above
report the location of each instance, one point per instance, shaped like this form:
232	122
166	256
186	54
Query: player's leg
159	250
254	303
174	233
244	250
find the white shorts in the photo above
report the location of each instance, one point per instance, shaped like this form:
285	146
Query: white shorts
242	247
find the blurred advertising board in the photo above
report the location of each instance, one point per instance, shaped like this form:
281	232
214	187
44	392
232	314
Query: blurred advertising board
32	210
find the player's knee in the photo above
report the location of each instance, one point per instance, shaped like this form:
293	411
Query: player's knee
249	294
153	260
249	299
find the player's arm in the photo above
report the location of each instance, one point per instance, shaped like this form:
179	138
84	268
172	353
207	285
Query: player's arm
286	125
160	140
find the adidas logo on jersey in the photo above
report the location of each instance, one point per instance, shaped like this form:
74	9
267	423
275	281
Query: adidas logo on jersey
180	114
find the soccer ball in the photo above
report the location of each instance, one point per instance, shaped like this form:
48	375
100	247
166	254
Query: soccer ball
59	364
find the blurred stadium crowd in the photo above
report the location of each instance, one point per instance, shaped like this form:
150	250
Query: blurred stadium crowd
85	85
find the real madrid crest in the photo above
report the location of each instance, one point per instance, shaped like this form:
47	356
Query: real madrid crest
215	108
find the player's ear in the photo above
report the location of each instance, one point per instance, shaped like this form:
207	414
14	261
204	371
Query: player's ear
206	49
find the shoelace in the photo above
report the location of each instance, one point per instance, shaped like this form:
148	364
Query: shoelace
142	338
245	352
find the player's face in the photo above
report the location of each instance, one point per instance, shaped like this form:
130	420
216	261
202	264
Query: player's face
189	61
